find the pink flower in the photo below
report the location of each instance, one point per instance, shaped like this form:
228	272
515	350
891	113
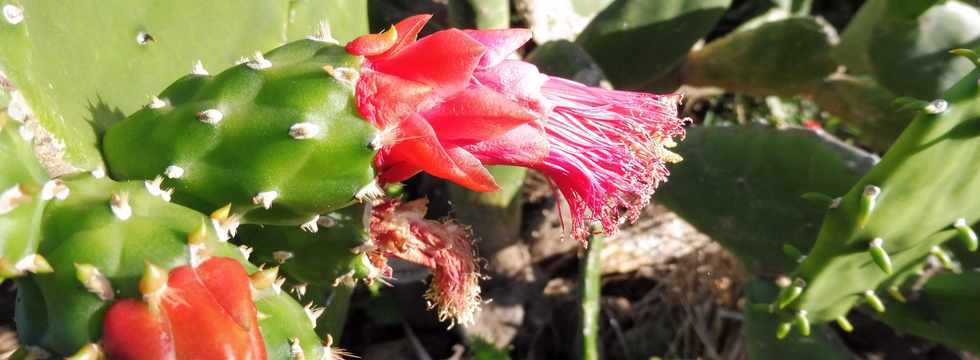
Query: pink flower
452	102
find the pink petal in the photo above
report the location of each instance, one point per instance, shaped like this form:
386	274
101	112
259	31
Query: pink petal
526	146
517	80
499	43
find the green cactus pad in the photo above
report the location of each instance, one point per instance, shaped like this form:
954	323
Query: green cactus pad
744	61
22	200
866	106
748	201
568	60
278	137
910	56
87	230
284	322
321	267
923	185
480	14
83	65
637	42
317	259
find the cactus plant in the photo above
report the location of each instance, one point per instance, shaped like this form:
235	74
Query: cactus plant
277	137
909	47
870	231
638	42
320	268
756	207
942	310
25	191
760	328
741	62
97	241
149	46
480	14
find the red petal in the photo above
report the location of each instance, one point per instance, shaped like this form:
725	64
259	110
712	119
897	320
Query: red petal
131	332
408	31
417	145
373	44
477	177
398	173
384	99
524	146
499	43
476	114
202	328
228	282
444	60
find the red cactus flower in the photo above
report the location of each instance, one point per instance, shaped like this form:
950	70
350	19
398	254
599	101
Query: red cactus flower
451	103
193	313
401	230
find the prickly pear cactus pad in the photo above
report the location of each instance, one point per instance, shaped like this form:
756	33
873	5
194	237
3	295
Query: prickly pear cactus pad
24	190
921	193
277	136
85	64
751	205
909	53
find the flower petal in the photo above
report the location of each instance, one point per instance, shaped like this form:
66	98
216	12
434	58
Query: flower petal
229	284
408	31
517	80
416	144
373	44
202	313
525	146
500	43
201	327
396	172
476	114
130	331
444	60
385	99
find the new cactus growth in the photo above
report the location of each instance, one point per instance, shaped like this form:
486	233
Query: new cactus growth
900	212
109	243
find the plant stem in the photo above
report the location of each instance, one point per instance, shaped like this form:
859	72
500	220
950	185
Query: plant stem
591	294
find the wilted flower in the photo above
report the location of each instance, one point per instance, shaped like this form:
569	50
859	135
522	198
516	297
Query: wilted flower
445	247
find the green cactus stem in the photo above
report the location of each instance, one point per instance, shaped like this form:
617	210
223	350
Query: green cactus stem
278	137
915	210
